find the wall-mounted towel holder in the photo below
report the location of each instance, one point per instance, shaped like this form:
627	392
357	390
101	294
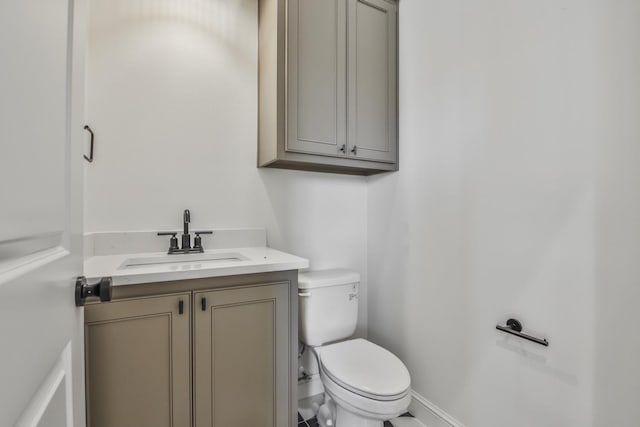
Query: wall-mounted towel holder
514	327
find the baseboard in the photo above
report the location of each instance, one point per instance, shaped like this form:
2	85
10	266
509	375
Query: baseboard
429	414
425	411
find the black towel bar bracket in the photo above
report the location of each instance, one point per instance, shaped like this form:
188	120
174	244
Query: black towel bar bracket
514	327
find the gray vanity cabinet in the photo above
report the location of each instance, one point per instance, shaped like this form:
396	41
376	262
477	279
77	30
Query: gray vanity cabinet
213	352
138	362
241	357
328	85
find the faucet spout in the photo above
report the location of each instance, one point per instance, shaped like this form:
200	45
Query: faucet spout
187	220
186	237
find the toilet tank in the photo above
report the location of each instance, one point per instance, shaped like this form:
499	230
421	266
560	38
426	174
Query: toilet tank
327	305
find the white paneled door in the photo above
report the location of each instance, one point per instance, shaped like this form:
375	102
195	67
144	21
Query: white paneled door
41	138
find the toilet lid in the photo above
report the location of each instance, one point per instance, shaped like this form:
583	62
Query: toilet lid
365	368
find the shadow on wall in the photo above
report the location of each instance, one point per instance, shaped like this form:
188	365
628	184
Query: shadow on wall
388	262
161	86
417	302
220	20
617	368
455	249
317	214
322	217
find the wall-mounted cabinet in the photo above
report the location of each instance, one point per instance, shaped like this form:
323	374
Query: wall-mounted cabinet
328	85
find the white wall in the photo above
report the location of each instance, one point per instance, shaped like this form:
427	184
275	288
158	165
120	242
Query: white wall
517	196
617	371
172	97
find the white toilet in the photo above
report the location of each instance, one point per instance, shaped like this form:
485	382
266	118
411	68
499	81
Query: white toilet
364	384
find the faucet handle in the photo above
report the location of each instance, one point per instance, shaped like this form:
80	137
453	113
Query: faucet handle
173	242
197	242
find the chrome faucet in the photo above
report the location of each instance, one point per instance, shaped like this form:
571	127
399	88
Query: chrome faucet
186	238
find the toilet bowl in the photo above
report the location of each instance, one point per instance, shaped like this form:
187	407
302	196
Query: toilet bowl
364	383
367	383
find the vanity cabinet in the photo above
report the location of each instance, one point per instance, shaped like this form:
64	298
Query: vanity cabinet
240	357
328	85
203	352
138	367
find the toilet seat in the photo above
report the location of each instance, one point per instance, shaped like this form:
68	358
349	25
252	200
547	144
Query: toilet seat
365	407
365	369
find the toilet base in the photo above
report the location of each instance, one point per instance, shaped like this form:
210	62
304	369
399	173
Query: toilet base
345	418
335	414
332	415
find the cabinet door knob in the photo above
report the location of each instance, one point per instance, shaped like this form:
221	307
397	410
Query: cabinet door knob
343	148
354	150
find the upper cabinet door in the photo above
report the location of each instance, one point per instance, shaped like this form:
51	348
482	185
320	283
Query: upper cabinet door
316	98
372	76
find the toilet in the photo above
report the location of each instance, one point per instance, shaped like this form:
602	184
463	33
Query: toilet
364	383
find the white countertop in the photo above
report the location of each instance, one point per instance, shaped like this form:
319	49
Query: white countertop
252	260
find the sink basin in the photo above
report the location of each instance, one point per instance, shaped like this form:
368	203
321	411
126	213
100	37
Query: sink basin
183	260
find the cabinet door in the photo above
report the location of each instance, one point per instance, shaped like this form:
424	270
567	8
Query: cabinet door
372	76
241	357
138	363
316	91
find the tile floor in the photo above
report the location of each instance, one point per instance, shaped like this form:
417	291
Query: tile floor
314	423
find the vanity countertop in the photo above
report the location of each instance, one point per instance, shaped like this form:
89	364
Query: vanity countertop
135	268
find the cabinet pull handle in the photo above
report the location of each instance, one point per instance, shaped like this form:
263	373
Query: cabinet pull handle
343	148
354	150
203	304
181	307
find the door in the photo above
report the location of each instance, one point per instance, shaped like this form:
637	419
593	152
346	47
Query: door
241	365
138	362
316	91
372	76
41	114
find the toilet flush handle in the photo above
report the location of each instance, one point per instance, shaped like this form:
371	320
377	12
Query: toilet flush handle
304	294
